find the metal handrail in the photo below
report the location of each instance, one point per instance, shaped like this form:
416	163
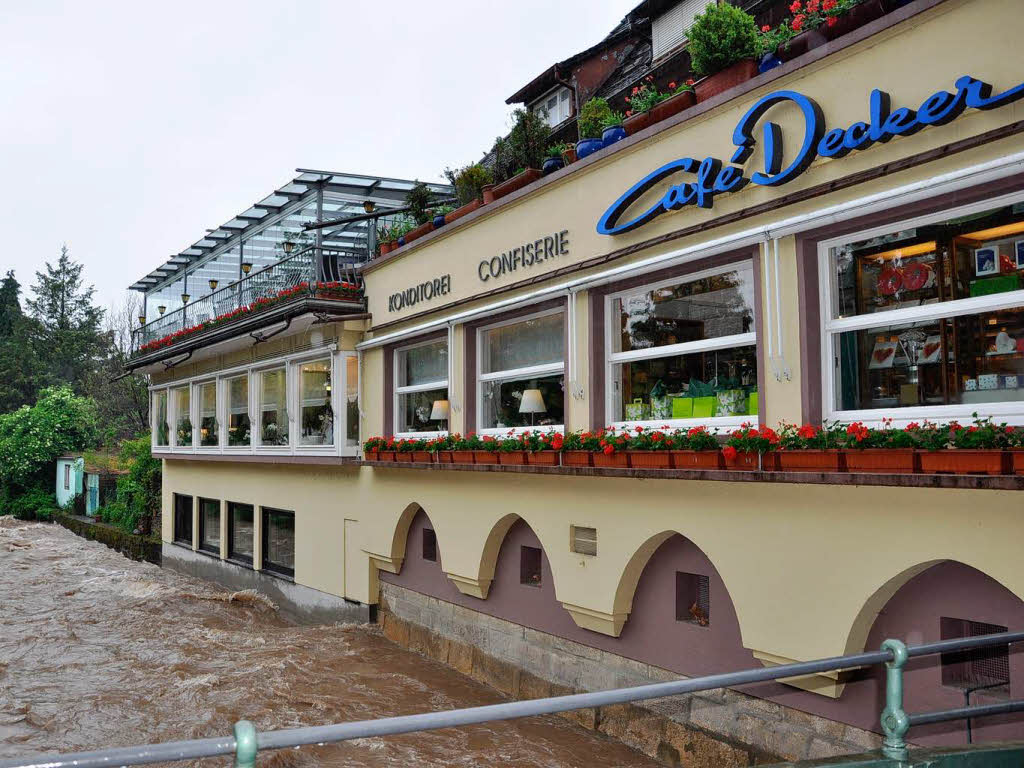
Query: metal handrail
245	742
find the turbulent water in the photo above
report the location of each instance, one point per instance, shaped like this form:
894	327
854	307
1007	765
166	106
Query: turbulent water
98	651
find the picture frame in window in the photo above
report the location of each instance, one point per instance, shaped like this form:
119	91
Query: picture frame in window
986	261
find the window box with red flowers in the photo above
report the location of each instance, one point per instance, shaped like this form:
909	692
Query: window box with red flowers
511	450
955	449
696	448
543	448
373	447
647	105
441	447
749	448
520	180
880	451
338	290
649	449
810	448
815	22
484	450
578	449
612	447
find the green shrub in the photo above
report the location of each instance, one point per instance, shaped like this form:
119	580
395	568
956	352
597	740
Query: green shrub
469	182
721	36
419	199
592	117
32	504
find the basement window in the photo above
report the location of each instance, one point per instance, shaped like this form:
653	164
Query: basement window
584	540
429	545
529	566
183	519
978	668
693	598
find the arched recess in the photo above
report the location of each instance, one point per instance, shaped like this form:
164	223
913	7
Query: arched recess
392	562
481	585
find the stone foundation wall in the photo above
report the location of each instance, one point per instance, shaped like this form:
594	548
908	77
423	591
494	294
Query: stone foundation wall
713	729
142	548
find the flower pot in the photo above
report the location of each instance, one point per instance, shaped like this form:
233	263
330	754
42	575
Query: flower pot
636	123
727	79
1017	461
542	458
445	457
586	147
858	16
569	156
439	221
487	190
577	459
881	461
768	62
418	232
743	460
697	459
810	460
964	461
422	457
650	459
485	457
611	134
462	457
514	458
617	459
371	456
400	242
458	213
386	456
387	247
552	164
517	182
673	105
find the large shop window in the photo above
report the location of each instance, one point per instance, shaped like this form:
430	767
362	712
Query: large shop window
279	541
183	519
182	417
684	351
522	373
238	412
927	320
161	429
273	407
208	433
421	388
315	405
241	532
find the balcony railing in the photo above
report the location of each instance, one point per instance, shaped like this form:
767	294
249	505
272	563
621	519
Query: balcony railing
314	272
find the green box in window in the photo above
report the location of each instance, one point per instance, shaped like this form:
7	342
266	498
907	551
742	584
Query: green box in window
989	285
638	410
704	407
682	407
752	404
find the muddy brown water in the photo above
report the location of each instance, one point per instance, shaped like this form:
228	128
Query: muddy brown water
98	651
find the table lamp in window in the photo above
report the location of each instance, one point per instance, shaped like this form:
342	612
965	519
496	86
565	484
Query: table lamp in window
532	403
440	411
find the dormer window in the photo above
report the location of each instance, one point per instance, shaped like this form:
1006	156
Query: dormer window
553	106
669	30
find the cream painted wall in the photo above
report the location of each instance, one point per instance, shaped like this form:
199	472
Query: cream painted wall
781	395
577	388
372	421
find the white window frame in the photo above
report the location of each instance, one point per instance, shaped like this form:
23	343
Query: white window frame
173	416
197	409
256	392
332	400
546	369
153	395
412	389
732	341
538	106
224	409
1012	412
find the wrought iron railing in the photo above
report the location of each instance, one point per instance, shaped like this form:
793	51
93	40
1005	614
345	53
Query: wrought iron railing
246	742
328	273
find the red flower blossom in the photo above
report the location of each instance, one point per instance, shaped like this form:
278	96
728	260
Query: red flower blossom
609	450
832	21
798	22
729	452
795	6
672	85
629	113
807	431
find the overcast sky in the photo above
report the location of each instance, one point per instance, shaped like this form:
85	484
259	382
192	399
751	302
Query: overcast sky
129	128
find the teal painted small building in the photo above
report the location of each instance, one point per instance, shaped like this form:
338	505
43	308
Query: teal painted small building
69	481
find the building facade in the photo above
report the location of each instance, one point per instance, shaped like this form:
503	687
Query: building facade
838	238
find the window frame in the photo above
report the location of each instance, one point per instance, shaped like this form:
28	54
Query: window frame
1012	412
295	396
197	409
173	415
538	105
202	526
190	543
256	393
546	369
154	395
410	389
237	557
224	411
732	341
266	564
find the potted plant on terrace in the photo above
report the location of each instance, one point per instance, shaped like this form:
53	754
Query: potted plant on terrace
611	128
810	448
542	448
440	214
649	449
880	451
555	159
722	44
696	448
749	448
469	183
590	124
973	450
648	105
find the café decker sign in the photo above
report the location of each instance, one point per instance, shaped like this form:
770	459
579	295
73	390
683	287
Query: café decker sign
785	160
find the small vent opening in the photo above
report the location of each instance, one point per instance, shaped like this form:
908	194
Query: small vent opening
976	669
584	540
693	598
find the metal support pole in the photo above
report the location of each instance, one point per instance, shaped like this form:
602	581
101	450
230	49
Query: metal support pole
245	744
895	722
318	260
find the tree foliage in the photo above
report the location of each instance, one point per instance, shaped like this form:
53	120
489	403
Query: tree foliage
138	491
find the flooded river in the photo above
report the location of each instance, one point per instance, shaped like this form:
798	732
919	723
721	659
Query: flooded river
98	651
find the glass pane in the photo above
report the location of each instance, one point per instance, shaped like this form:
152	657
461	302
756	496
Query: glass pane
969	360
182	407
720	305
421	365
315	393
536	401
209	511
280	538
416	408
531	342
699	385
183	519
975	255
241	531
352	401
208	414
273	408
238	411
160	427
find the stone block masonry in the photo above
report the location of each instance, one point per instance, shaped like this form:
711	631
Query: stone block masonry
713	729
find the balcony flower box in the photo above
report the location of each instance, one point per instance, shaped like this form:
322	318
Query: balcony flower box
513	458
636	123
465	210
462	457
485	457
517	182
577	459
697	459
810	460
747	461
728	78
418	232
858	16
543	458
964	461
881	461
806	41
445	457
1017	461
650	459
386	456
422	457
371	455
616	459
673	105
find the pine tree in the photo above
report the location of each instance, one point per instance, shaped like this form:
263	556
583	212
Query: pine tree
21	371
10	306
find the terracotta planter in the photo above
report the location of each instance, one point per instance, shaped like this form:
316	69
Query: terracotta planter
636	123
577	459
371	456
487	190
386	456
518	181
569	156
1017	460
728	78
801	44
458	213
650	459
419	231
881	461
386	248
513	458
542	458
618	459
485	457
858	16
462	457
744	461
697	459
445	457
423	457
673	105
964	461
810	460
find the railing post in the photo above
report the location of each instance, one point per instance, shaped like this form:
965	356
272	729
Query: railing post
245	744
894	720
